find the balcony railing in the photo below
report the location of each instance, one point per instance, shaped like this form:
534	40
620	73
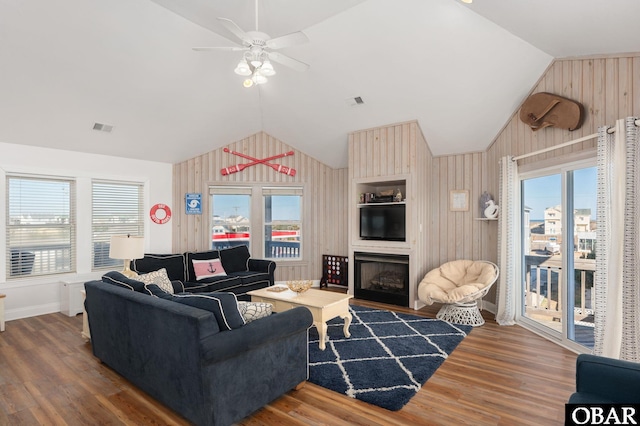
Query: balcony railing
40	260
282	249
543	287
273	249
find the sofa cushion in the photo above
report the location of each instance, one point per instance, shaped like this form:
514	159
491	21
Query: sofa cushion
174	264
121	280
252	311
224	306
252	277
235	259
159	278
219	283
208	268
200	255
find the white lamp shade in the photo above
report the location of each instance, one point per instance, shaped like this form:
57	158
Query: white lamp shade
259	78
126	247
243	68
267	69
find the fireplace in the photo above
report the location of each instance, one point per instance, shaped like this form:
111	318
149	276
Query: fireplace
382	278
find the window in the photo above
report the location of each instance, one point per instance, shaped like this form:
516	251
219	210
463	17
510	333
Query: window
117	208
41	226
237	210
282	222
231	217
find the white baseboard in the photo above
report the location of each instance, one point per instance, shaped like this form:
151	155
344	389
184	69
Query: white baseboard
32	311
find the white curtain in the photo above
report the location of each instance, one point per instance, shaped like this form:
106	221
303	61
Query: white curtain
617	277
508	238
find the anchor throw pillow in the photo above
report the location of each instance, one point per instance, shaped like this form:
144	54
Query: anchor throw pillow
208	268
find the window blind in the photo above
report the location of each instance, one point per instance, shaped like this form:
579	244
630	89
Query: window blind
41	228
117	209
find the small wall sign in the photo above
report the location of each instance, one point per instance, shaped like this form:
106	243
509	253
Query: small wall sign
193	203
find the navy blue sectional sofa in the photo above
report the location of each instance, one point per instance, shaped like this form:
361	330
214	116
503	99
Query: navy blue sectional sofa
243	273
182	355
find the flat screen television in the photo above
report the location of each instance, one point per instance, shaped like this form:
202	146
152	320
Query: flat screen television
383	222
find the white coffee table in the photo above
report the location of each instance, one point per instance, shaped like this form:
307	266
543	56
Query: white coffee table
324	305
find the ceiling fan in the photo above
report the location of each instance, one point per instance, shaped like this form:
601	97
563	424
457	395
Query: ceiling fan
259	50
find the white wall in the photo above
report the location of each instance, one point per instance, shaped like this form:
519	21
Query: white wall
36	296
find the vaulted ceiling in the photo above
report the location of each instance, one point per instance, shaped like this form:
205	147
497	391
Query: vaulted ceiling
460	70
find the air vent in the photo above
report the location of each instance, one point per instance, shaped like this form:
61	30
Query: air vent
355	101
102	127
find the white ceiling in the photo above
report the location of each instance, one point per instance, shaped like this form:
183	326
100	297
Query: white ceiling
459	70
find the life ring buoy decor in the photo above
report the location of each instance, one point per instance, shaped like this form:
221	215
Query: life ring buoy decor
160	214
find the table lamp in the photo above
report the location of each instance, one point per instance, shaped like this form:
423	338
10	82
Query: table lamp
126	247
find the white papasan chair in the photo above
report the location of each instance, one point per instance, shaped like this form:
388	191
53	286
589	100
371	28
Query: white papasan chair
459	285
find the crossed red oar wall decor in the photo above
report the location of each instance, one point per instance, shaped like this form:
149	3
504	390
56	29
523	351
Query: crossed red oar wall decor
266	161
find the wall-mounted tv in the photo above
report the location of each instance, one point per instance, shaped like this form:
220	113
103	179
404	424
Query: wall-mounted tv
383	222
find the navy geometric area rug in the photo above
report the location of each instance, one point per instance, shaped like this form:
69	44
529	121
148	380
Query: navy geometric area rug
388	357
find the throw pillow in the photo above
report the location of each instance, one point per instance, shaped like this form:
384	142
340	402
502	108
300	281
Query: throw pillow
118	279
208	268
252	311
224	306
198	255
158	277
235	259
175	265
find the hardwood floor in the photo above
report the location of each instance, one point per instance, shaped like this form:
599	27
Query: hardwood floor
496	376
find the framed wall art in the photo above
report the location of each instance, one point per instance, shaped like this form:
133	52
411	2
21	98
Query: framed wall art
459	200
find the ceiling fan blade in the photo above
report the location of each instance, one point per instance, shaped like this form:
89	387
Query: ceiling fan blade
235	30
287	61
287	40
228	48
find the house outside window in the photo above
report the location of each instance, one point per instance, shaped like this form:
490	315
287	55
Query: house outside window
117	208
231	217
41	226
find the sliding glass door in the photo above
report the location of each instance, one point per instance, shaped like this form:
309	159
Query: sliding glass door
558	252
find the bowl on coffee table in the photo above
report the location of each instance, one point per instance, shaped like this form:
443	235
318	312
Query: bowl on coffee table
299	286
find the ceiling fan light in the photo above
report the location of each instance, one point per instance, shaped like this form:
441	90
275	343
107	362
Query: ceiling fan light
242	68
247	83
267	69
259	78
256	63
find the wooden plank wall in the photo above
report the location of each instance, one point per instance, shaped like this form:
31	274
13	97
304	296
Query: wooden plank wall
325	208
381	151
397	150
609	89
424	206
459	234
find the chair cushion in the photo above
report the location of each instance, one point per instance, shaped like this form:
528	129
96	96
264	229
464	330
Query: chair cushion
454	281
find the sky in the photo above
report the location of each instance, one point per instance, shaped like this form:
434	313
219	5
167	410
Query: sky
284	207
543	192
